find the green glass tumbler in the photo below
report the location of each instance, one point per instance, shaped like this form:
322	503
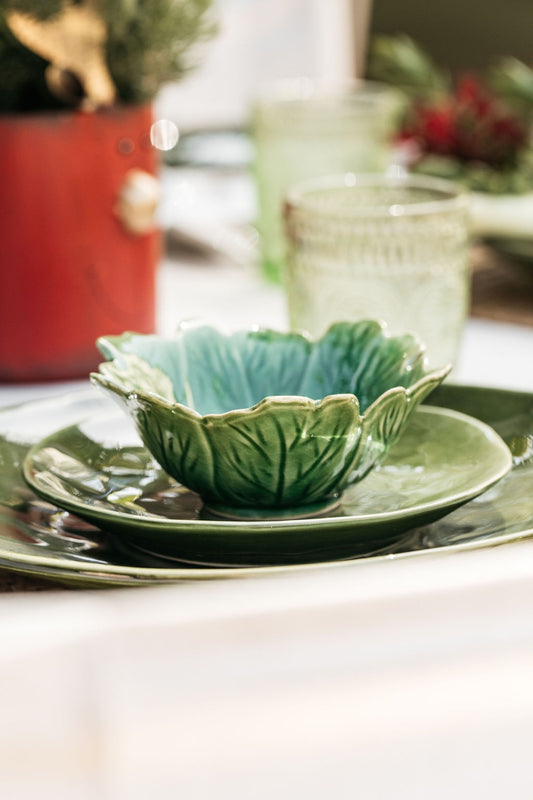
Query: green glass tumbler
392	248
301	131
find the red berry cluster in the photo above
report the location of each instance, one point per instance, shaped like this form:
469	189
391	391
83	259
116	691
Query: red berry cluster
470	125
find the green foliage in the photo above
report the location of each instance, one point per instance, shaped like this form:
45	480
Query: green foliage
399	61
455	128
479	177
42	9
149	43
513	81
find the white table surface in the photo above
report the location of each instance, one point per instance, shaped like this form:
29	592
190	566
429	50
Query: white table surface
408	678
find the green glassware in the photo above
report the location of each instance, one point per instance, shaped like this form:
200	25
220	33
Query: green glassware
385	247
301	131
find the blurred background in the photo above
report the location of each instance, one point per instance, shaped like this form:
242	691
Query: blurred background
129	200
164	103
259	42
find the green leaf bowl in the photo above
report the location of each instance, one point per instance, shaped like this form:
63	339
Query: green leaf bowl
262	423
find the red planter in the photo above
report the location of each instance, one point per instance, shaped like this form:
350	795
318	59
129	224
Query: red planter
69	269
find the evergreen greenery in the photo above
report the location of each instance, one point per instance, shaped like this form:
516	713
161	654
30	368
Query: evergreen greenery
474	130
399	61
149	43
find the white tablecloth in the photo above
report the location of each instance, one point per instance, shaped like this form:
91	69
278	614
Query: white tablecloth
408	678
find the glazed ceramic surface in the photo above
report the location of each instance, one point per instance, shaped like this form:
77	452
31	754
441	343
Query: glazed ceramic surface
38	538
103	474
264	420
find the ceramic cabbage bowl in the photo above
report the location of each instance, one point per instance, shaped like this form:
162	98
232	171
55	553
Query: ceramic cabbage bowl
261	423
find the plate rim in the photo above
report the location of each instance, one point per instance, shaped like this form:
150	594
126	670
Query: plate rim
137	575
90	574
163	524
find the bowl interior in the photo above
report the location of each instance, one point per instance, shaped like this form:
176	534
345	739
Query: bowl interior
215	373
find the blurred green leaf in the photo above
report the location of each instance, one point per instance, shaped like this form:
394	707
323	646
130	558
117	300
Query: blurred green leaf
513	81
399	61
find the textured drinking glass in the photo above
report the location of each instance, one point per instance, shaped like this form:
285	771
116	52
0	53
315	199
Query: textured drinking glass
301	132
372	246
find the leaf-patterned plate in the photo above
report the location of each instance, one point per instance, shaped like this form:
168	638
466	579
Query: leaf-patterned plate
99	470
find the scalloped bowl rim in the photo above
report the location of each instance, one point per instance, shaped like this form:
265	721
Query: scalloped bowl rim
99	379
271	401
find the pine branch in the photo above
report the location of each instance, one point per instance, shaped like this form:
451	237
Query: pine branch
513	81
150	42
399	61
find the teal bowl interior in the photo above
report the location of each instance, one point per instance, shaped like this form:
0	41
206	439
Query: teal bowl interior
260	419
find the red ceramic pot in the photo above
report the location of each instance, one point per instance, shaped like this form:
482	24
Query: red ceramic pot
71	269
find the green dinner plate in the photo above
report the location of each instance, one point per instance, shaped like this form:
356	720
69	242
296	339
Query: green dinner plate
39	539
99	470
